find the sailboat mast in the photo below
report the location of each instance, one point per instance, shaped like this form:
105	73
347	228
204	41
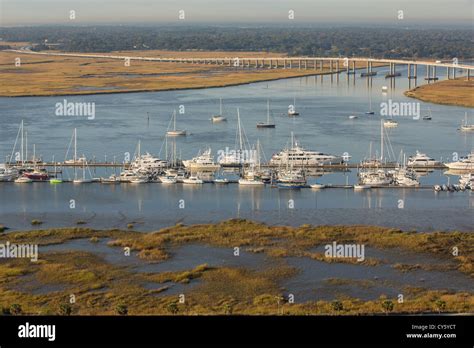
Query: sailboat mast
240	130
75	145
26	146
21	156
220	106
381	140
174	117
268	111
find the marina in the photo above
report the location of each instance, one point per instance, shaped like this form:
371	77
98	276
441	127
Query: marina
316	157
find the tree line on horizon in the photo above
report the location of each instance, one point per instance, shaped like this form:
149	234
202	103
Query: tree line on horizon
294	41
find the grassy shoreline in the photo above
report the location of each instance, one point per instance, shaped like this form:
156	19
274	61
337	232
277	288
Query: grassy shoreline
458	92
54	76
103	288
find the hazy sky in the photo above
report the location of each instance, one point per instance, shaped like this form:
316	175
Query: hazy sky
21	12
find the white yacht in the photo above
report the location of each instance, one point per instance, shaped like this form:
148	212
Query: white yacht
291	179
139	180
7	174
148	162
361	187
168	179
128	175
390	123
113	179
422	160
467	180
375	177
193	180
464	163
79	160
203	161
250	182
23	180
296	155
405	177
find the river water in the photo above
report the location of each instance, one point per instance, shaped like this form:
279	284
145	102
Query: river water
324	104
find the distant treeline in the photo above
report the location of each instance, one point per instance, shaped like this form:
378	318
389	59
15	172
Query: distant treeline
339	41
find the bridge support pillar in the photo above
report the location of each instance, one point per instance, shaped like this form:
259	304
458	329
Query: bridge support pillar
428	68
447	73
434	73
468	74
454	72
353	67
290	63
337	66
321	65
299	64
315	64
414	71
305	64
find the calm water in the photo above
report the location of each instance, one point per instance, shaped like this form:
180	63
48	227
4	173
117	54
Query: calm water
311	281
122	119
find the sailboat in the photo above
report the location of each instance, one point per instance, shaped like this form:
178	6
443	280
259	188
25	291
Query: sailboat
175	132
370	112
239	156
83	161
292	109
466	127
427	117
267	124
83	179
220	117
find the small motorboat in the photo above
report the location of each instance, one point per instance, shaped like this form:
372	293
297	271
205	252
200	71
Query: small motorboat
113	179
23	180
353	117
221	181
139	180
168	179
193	180
55	181
318	186
361	187
218	118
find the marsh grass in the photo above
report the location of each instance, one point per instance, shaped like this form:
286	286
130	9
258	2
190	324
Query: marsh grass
101	288
450	92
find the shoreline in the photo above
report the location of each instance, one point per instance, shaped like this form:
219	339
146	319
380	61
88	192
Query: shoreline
166	89
445	92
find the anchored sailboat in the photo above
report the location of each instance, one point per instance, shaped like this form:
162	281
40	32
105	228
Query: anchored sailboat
267	124
175	132
220	117
292	109
466	127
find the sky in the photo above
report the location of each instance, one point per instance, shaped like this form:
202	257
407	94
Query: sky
27	12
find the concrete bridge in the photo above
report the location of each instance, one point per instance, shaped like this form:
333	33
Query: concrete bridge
333	65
